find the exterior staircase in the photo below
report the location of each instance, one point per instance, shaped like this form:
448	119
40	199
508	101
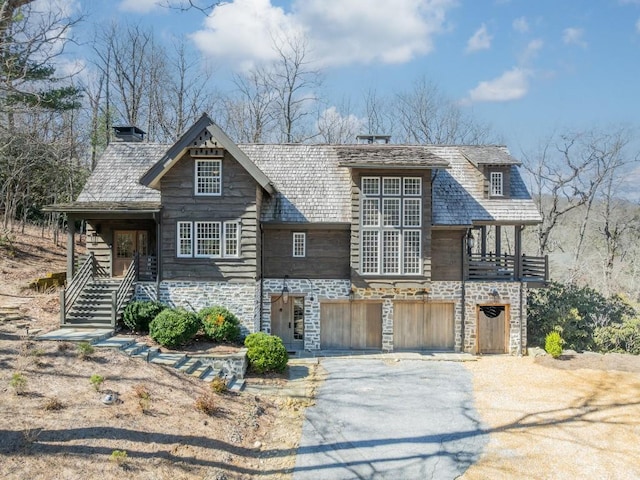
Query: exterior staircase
94	306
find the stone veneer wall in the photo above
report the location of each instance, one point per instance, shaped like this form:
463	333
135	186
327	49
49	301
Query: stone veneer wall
240	299
480	293
314	291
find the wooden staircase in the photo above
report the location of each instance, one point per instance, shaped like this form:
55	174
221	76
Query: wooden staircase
94	306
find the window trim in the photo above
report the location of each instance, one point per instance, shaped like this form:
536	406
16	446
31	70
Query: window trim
499	176
179	238
225	226
301	236
196	177
223	229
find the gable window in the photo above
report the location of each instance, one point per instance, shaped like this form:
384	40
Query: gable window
208	177
496	184
208	240
391	221
299	244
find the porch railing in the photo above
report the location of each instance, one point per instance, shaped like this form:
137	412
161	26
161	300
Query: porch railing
123	294
85	273
507	267
147	267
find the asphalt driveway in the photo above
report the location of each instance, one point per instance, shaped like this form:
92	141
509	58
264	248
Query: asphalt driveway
377	419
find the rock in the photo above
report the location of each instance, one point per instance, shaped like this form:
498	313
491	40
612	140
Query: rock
536	352
257	445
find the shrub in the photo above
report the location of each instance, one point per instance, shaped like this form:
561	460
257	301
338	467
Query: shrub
97	381
19	383
85	350
119	457
137	315
553	344
218	385
144	397
219	324
174	327
206	404
624	337
266	353
53	404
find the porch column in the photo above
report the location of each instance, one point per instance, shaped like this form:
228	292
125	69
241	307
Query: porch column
71	248
517	249
483	241
158	217
498	240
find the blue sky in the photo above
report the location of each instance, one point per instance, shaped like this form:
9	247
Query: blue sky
527	67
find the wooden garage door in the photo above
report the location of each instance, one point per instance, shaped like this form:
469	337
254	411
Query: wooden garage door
350	325
492	329
423	326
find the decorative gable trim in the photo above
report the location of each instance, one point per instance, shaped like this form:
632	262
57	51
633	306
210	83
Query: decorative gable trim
204	138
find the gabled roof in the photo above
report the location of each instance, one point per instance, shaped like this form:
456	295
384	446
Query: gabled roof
156	172
387	156
488	155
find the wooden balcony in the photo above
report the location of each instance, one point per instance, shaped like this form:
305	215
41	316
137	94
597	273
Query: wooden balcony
492	267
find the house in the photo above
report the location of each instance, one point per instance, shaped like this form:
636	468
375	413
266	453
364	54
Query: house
363	246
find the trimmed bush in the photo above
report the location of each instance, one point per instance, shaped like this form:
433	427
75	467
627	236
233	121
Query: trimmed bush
219	324
137	315
266	353
174	327
553	344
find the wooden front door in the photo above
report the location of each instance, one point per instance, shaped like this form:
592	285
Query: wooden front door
125	244
492	329
287	321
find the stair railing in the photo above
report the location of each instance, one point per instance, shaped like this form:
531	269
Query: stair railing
83	276
121	296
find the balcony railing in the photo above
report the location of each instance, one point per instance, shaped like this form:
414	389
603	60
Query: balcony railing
507	267
147	268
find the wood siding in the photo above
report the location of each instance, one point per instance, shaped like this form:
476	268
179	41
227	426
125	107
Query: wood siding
423	326
493	331
350	325
391	281
102	232
506	179
327	253
238	202
446	255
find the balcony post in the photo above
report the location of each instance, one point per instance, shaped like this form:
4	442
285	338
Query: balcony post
518	252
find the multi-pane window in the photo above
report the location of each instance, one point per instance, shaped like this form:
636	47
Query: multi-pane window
208	239
496	188
185	239
299	244
298	318
391	221
208	177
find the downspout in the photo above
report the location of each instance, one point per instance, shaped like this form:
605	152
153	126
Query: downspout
522	327
158	219
463	290
261	278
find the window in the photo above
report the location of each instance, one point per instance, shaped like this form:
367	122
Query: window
496	188
391	218
208	177
298	318
299	244
208	239
185	239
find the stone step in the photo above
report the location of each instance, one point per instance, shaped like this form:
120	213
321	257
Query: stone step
169	359
147	354
118	342
201	371
12	317
134	348
211	374
189	365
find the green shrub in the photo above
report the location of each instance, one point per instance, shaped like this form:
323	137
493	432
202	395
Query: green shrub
219	324
119	457
266	353
19	383
85	350
624	337
553	344
97	381
138	315
174	327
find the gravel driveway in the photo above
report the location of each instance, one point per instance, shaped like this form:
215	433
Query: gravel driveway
376	419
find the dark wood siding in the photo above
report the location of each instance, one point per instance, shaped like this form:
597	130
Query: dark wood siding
327	253
387	281
446	255
238	202
506	179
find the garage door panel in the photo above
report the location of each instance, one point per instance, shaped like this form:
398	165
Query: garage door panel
408	325
440	327
423	326
355	325
334	329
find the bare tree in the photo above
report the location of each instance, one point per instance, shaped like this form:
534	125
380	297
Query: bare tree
338	125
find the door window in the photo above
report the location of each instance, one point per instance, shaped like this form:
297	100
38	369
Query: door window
298	318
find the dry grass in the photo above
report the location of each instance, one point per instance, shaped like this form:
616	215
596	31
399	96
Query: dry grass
546	421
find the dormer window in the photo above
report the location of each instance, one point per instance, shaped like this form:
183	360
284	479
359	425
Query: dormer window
208	177
496	188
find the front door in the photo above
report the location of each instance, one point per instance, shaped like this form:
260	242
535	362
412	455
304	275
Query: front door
492	329
287	321
125	244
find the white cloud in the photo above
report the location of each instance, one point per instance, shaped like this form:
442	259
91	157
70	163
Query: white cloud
520	25
574	36
139	6
480	40
511	85
338	32
531	50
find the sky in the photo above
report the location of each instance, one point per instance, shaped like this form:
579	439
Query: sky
526	67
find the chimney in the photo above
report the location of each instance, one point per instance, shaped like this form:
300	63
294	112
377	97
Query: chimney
370	139
128	134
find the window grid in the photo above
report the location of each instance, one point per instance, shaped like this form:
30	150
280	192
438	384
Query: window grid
207	239
298	318
208	177
231	242
411	252
299	244
496	184
185	239
388	246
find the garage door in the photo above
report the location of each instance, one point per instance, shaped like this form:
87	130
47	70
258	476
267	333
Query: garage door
423	326
350	325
